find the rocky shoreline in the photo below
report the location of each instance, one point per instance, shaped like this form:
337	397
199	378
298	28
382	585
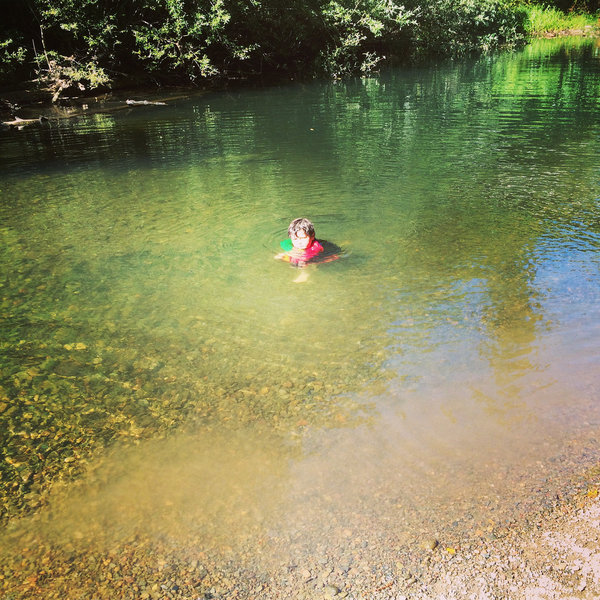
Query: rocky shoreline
553	554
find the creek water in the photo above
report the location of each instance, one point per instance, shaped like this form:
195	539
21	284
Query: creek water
441	376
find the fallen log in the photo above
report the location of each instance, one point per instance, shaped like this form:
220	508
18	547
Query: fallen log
144	103
22	122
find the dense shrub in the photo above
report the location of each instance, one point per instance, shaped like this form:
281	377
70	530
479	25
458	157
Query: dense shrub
12	57
452	27
361	34
88	43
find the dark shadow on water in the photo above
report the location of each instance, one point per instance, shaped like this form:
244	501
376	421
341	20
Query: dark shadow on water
331	252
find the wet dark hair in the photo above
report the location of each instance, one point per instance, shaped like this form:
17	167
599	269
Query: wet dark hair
301	225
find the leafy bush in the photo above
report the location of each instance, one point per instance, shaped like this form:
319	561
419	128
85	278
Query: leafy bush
59	73
454	27
87	43
12	58
176	40
360	34
277	36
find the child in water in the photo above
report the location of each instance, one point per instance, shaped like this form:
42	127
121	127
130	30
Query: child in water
302	247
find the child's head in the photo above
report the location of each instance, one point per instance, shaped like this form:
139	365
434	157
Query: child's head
302	233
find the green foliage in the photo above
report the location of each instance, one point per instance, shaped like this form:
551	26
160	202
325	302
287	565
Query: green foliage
361	32
452	27
276	36
12	57
570	6
59	73
177	40
543	18
89	43
81	26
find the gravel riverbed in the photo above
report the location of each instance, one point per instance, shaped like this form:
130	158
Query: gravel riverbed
555	554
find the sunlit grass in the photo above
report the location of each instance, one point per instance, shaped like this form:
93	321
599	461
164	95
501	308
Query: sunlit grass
546	19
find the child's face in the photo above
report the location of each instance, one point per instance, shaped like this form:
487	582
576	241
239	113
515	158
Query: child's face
301	240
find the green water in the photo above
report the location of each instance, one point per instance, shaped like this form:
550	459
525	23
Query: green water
139	295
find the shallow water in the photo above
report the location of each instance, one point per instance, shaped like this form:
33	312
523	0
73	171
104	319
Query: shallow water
438	372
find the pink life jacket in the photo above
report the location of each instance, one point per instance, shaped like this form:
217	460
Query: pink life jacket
310	252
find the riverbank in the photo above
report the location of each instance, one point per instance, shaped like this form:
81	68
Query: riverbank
555	558
588	31
30	106
552	556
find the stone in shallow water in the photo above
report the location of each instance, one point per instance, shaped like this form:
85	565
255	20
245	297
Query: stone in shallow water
68	368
